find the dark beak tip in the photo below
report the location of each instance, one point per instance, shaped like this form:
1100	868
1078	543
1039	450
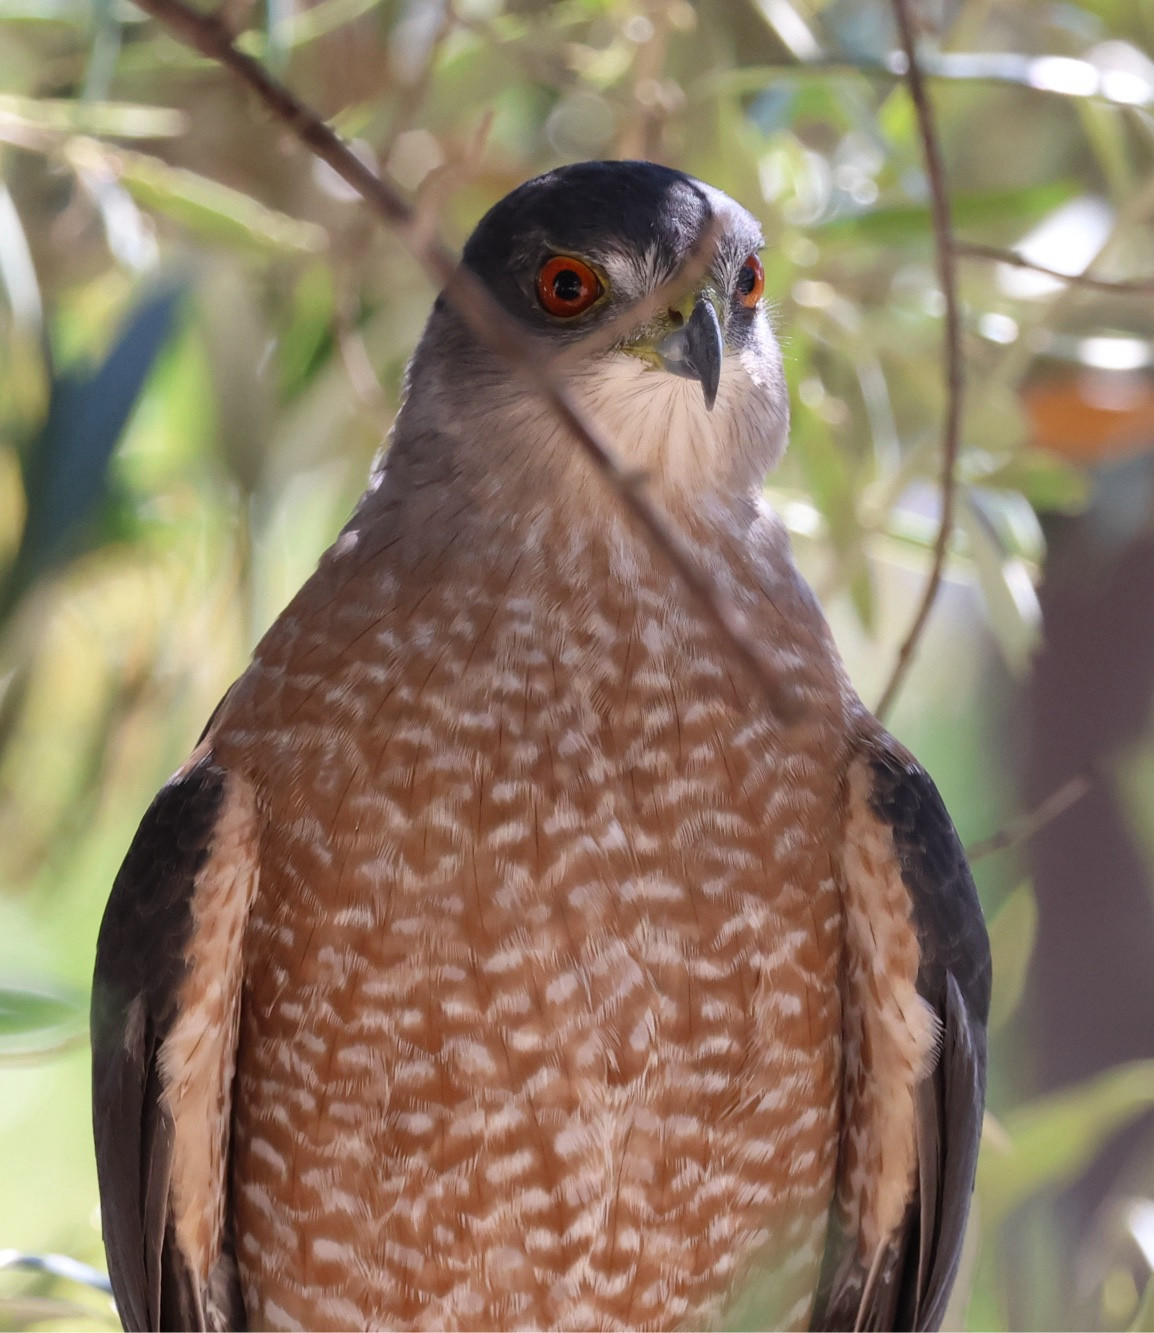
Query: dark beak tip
696	349
706	347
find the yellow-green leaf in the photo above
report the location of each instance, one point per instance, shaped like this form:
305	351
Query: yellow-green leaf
214	210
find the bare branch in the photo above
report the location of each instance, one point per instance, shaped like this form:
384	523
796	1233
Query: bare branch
1034	821
1138	287
490	324
952	350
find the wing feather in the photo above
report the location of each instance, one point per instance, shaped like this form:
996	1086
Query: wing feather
906	1283
141	962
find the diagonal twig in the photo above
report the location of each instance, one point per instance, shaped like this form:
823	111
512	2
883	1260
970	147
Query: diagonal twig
490	324
1135	287
1033	821
952	350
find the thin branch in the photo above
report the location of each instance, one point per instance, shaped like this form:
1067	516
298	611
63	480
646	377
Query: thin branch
490	324
1034	821
952	350
1137	287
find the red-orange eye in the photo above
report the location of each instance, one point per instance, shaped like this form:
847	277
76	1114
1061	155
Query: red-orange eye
566	286
750	282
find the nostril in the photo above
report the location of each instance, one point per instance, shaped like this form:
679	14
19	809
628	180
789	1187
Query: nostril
676	318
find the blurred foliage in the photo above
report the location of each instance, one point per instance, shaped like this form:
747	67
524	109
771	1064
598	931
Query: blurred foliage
202	338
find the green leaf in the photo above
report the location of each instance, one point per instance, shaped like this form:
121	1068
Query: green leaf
215	211
1012	935
114	120
1047	482
980	209
66	472
1054	1138
307	335
36	1022
295	30
1013	520
863	595
1134	782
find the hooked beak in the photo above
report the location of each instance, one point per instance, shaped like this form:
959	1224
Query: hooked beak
695	350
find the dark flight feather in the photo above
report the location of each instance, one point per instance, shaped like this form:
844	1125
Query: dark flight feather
140	964
911	1284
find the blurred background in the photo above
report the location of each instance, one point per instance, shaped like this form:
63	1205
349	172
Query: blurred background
202	337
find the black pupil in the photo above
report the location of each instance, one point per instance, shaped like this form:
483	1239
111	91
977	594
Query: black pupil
746	280
568	286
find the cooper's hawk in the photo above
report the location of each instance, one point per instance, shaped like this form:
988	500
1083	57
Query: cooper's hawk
500	957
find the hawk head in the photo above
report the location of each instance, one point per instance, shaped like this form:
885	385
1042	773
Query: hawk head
645	287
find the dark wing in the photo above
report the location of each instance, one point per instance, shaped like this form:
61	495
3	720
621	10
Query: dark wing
910	1286
954	977
140	965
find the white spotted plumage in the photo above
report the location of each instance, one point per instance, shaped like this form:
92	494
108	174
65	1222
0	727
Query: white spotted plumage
591	965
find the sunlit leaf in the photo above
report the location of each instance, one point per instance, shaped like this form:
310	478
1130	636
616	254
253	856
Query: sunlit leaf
307	25
114	120
17	269
894	224
215	211
1063	75
1055	1137
1013	521
36	1022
